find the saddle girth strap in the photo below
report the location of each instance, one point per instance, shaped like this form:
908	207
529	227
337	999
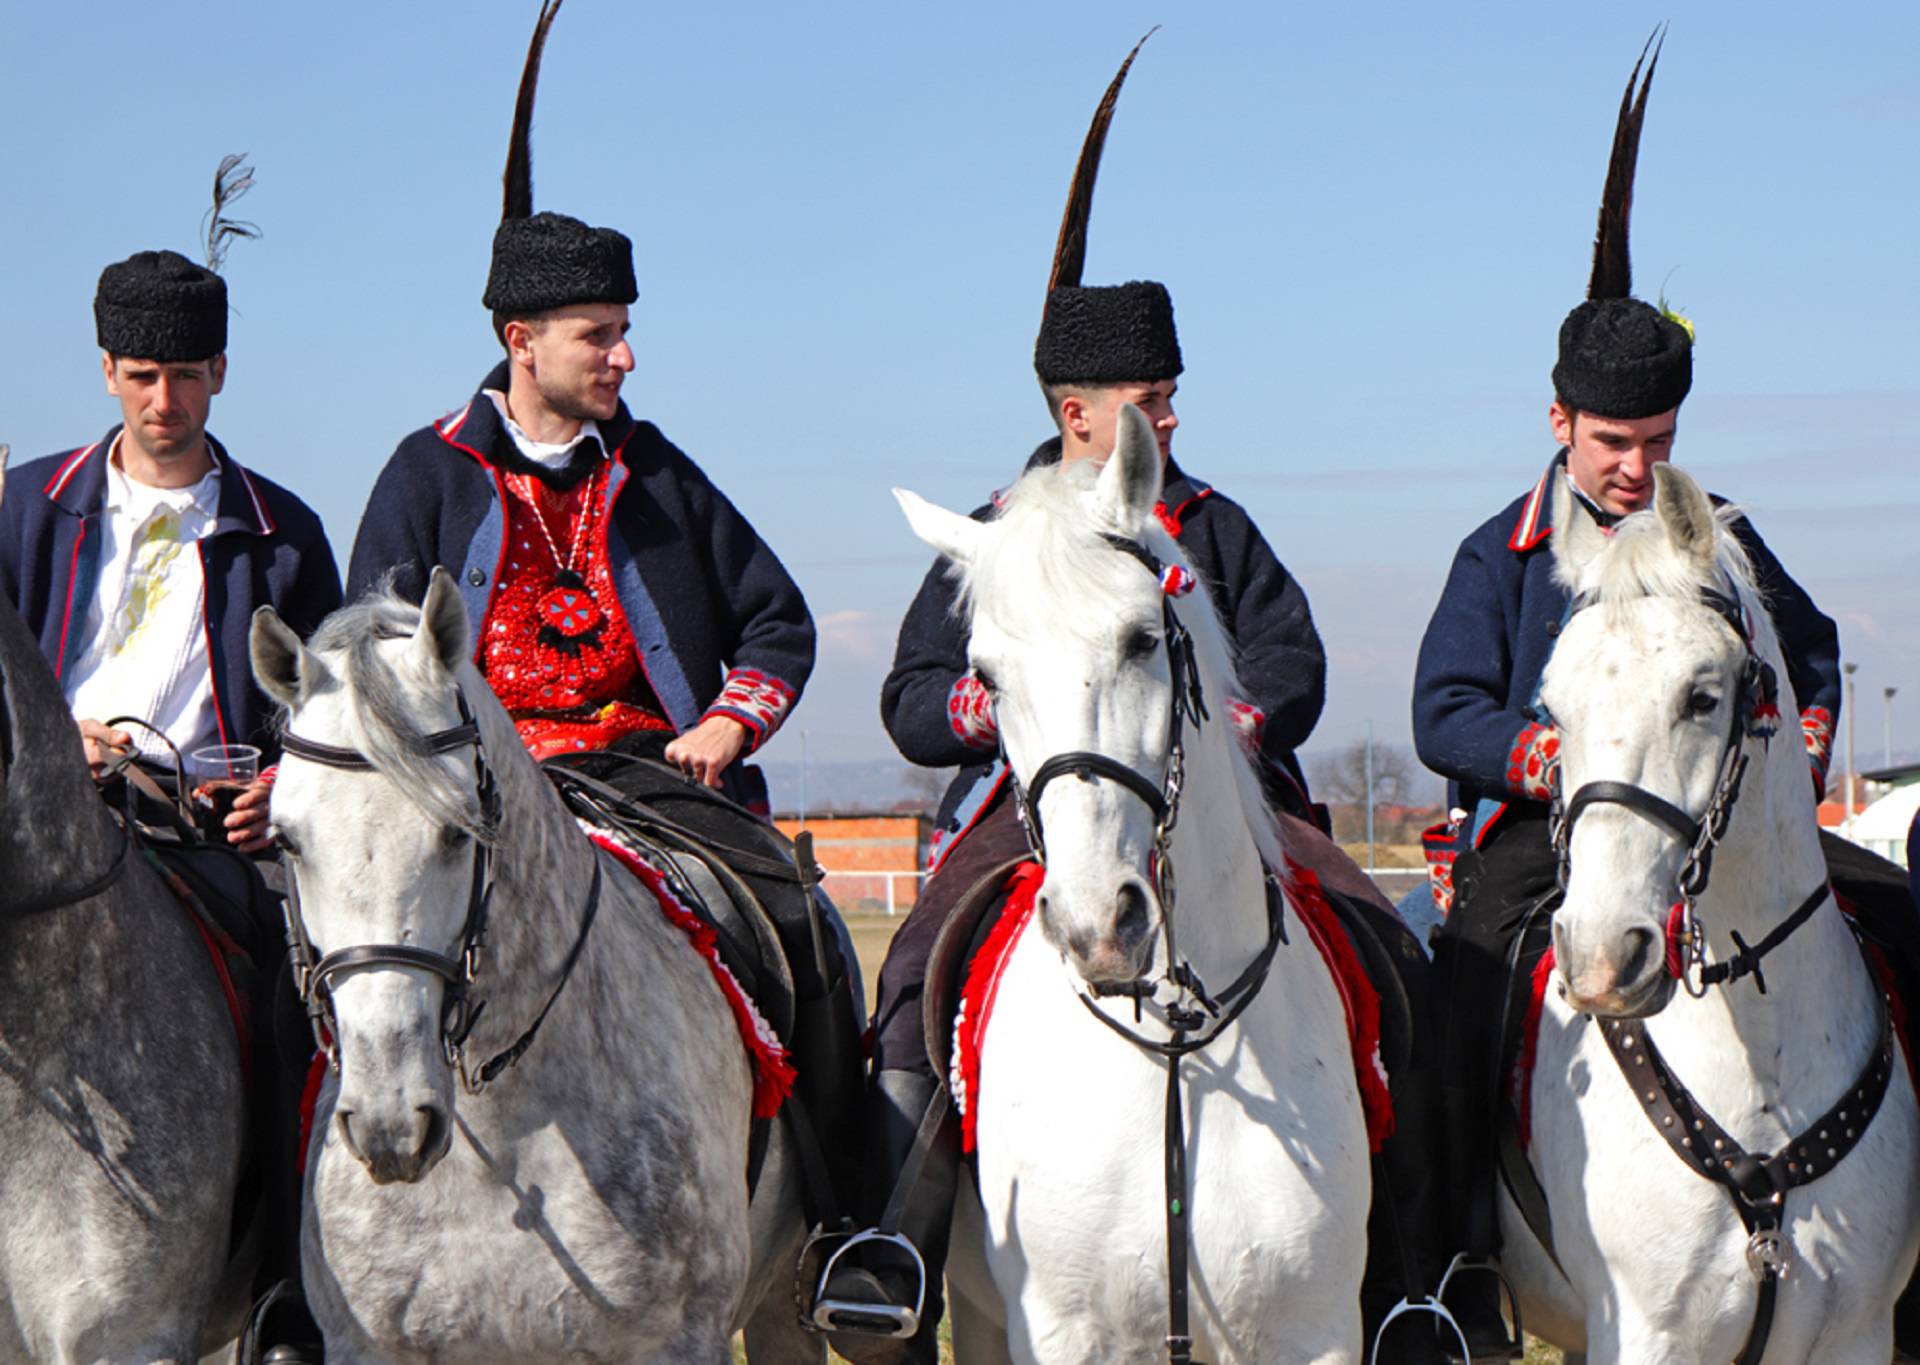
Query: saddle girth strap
1758	1185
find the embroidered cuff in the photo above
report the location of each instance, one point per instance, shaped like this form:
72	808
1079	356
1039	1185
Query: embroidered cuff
1534	764
1249	723
970	713
1816	727
757	700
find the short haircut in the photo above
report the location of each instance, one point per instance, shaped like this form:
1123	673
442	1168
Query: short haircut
1060	392
500	321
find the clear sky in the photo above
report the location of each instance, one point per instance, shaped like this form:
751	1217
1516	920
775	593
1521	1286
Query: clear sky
1372	218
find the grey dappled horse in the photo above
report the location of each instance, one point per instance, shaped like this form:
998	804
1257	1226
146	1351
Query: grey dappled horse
120	1088
586	1204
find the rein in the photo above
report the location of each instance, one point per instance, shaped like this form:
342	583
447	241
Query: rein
1757	1184
460	970
1189	1023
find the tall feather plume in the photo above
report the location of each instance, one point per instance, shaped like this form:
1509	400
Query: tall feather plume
230	182
518	180
1070	252
1612	263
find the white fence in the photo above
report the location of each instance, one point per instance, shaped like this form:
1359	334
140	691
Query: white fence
873	893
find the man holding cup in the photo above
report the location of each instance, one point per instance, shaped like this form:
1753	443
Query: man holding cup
138	560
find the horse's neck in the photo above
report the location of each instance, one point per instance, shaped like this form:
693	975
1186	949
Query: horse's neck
1220	917
1818	1018
543	874
55	832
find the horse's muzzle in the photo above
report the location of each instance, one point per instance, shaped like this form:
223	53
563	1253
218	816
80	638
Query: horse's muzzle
1625	978
402	1152
1117	948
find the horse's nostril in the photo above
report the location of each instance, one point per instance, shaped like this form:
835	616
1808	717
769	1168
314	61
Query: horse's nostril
1639	944
1131	921
344	1118
435	1136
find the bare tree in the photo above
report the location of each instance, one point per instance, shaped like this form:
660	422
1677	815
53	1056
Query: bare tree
1340	778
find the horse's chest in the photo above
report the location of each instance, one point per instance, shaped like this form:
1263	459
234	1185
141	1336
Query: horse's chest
531	1249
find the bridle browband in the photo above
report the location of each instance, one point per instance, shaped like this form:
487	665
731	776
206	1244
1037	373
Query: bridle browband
460	970
1755	705
1193	1025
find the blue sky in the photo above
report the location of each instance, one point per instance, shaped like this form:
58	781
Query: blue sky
1372	218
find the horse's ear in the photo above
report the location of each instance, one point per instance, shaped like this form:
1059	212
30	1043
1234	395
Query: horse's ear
1685	511
1129	485
5	451
1576	539
949	533
442	636
287	670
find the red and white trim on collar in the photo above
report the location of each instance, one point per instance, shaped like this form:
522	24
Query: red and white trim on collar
64	474
1532	528
1249	723
1532	763
757	700
449	425
260	514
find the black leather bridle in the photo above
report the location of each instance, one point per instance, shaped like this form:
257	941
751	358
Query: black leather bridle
1755	715
1193	1026
460	969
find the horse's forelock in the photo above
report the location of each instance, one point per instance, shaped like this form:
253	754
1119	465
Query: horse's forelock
1640	561
384	700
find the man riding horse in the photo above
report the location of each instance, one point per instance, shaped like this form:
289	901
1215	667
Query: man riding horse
138	562
1623	369
620	604
1099	348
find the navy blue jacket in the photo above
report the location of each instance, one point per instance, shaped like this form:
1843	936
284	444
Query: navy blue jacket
1282	665
266	548
1494	628
718	624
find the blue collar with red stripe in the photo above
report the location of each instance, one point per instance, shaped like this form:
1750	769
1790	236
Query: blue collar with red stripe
79	486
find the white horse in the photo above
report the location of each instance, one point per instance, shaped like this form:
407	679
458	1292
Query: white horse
1072	635
588	1204
1657	694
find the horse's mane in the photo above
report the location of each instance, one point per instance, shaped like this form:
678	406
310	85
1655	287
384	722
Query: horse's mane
1049	559
351	639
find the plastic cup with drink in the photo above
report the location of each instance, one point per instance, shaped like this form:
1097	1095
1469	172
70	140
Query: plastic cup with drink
219	773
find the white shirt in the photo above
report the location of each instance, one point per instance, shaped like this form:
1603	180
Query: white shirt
143	646
545	452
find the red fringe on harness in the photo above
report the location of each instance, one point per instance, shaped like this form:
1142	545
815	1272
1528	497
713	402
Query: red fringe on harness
773	1071
1522	1093
1358	998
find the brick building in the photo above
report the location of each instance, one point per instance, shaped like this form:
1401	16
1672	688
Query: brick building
874	861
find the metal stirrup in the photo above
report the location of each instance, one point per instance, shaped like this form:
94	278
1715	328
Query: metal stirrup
871	1319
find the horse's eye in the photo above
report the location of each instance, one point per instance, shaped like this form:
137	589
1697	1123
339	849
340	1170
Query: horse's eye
452	838
1701	702
1141	644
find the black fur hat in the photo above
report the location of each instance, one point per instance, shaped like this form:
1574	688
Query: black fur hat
1620	357
1108	334
158	305
1101	334
548	260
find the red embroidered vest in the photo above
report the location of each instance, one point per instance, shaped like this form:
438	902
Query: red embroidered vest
556	647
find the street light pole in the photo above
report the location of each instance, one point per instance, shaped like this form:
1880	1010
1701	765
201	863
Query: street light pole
1886	756
1369	798
1850	670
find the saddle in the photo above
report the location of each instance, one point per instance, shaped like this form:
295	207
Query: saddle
759	893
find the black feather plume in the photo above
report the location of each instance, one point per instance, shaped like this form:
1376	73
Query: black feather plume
1612	262
1070	252
518	180
230	182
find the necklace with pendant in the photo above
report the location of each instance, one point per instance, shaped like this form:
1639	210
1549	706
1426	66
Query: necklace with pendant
569	617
